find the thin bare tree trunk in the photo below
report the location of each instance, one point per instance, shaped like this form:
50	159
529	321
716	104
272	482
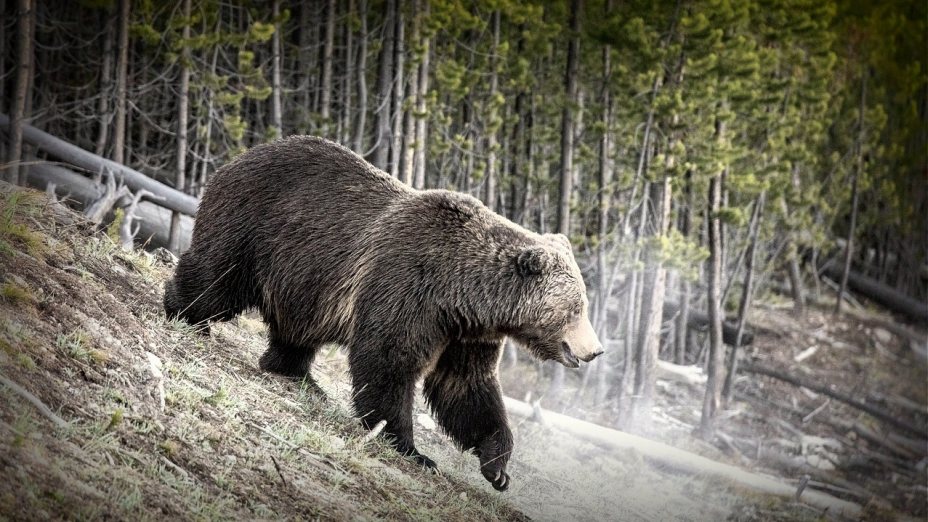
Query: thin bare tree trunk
357	141
681	330
122	67
24	62
490	196
855	196
348	94
409	124
182	120
306	61
385	79
276	111
649	335
422	121
716	348
399	93
328	50
106	81
746	294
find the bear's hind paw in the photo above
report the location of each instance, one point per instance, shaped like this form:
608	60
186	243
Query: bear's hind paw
425	462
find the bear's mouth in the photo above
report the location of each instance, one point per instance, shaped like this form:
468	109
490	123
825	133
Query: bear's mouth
568	358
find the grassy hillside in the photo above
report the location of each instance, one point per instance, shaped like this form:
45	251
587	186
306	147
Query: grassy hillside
147	419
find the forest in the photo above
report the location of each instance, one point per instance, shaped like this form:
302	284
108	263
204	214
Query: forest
703	156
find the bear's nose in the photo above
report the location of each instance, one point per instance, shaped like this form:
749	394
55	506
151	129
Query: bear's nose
597	352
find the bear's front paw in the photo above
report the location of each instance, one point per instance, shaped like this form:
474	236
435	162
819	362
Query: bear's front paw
494	455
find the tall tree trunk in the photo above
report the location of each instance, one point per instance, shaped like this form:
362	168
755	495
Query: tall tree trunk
399	92
567	146
106	81
652	308
328	50
855	181
357	141
567	120
348	94
122	68
385	75
490	196
180	178
307	27
604	285
409	124
716	348
744	305
422	121
24	62
276	111
681	329
605	178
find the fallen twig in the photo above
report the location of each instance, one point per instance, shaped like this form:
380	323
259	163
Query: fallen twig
371	435
279	472
39	405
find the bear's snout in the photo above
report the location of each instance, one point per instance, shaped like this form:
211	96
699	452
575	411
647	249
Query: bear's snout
596	353
581	343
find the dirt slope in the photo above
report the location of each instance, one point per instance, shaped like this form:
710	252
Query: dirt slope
81	331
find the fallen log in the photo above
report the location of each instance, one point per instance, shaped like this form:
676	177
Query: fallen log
700	321
679	459
135	180
881	293
153	220
877	413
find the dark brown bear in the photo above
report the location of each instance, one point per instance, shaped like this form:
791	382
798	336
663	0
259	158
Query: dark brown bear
416	284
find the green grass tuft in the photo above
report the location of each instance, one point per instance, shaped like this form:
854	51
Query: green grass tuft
17	294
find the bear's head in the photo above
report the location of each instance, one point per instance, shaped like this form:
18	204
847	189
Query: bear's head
554	322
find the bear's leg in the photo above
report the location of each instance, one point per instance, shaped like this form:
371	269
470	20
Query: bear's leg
289	359
198	296
464	394
383	390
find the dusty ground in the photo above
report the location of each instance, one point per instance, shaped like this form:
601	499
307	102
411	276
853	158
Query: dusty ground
81	329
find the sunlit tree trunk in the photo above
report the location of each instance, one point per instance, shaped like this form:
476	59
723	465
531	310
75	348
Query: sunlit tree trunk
399	93
714	269
385	76
422	121
180	176
357	141
490	195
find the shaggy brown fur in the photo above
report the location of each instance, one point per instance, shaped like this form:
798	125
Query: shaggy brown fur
416	284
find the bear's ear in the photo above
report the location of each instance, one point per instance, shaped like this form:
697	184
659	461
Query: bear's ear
531	261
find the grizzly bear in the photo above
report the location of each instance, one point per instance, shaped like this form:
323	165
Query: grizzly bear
416	284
